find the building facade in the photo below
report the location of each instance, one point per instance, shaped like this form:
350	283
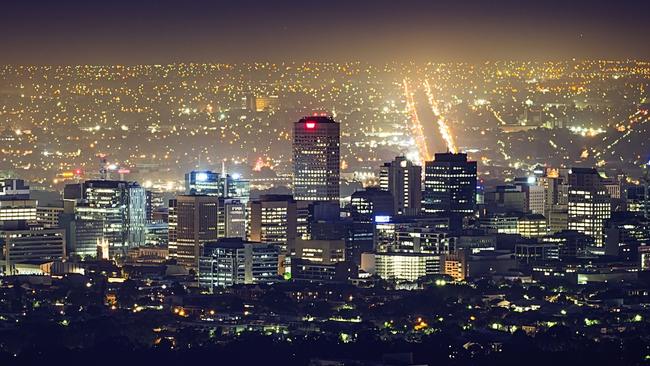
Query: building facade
403	180
316	159
233	261
450	184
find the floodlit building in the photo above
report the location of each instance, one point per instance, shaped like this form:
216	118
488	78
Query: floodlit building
407	266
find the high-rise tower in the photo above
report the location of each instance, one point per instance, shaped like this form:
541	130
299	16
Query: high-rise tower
316	159
450	184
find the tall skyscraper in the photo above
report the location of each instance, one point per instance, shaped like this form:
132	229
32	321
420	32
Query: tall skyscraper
450	184
121	208
589	203
192	222
316	159
403	180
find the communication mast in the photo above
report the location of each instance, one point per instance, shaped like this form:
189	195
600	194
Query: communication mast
103	166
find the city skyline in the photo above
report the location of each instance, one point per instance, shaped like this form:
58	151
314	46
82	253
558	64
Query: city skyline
340	183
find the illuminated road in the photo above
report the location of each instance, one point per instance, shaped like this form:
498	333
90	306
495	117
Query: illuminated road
415	126
443	127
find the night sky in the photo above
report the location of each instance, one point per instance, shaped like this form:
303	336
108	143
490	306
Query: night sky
162	31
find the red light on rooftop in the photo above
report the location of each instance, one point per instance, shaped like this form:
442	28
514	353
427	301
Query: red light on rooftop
310	125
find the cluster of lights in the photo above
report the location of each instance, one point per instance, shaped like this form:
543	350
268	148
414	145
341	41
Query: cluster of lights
585	131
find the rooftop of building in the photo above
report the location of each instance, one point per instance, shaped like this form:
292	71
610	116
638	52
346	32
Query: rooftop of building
317	119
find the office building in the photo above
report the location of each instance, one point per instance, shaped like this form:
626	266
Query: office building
273	220
18	210
474	241
455	265
403	180
23	244
367	204
535	194
421	240
624	233
636	199
172	227
156	203
194	223
231	221
386	230
321	261
203	182
156	234
48	216
13	189
320	251
558	218
83	230
206	182
407	267
532	226
358	236
236	187
450	184
571	244
121	207
644	258
73	191
233	261
504	199
316	159
534	252
589	204
500	223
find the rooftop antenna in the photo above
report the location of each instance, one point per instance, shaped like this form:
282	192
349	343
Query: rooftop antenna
103	171
224	176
